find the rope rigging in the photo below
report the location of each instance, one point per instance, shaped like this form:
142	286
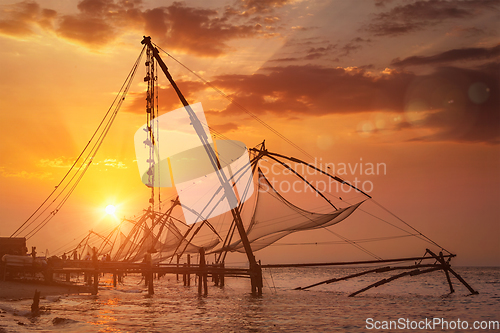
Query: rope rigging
65	188
251	114
87	156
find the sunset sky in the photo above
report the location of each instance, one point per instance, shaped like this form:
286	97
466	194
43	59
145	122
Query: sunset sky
412	84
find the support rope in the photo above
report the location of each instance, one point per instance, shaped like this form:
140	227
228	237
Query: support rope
117	102
251	114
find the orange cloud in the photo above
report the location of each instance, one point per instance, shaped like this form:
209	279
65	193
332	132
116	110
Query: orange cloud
463	54
23	18
224	128
24	174
87	30
199	31
420	15
261	6
456	104
310	89
59	162
202	31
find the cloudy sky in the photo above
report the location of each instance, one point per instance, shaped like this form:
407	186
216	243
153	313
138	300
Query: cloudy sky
411	84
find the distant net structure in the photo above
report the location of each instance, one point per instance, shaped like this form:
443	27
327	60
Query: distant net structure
277	195
249	203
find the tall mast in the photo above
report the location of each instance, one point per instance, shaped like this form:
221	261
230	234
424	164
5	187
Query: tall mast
228	191
151	113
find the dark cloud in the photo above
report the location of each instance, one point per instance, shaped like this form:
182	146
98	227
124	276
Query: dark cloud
320	52
460	105
87	30
348	48
323	50
382	3
464	54
202	31
394	28
315	90
418	15
361	40
261	6
312	53
199	31
354	44
23	18
461	31
286	59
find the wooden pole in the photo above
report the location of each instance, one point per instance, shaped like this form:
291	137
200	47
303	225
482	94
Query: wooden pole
215	276
149	273
200	284
222	275
96	282
35	308
96	271
188	276
259	279
114	280
202	276
151	289
178	259
205	284
446	265
472	291
184	280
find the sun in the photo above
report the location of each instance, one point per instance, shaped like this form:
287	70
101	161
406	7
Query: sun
110	209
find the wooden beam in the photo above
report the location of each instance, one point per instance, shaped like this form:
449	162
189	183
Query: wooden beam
459	278
341	263
376	270
446	266
392	278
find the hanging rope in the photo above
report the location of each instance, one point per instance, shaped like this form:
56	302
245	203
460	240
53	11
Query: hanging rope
101	132
427	239
241	107
354	244
153	96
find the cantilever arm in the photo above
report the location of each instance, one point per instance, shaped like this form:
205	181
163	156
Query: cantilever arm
293	159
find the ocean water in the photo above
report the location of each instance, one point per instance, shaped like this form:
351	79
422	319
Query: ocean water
407	302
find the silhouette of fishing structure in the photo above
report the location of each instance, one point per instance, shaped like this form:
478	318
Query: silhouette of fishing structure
257	214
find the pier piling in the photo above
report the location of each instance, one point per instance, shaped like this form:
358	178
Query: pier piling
202	275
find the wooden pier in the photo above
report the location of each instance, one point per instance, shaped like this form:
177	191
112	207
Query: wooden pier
93	269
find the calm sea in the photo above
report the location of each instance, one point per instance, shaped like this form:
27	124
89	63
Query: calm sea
409	301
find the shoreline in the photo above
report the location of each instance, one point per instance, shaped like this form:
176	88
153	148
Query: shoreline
16	290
